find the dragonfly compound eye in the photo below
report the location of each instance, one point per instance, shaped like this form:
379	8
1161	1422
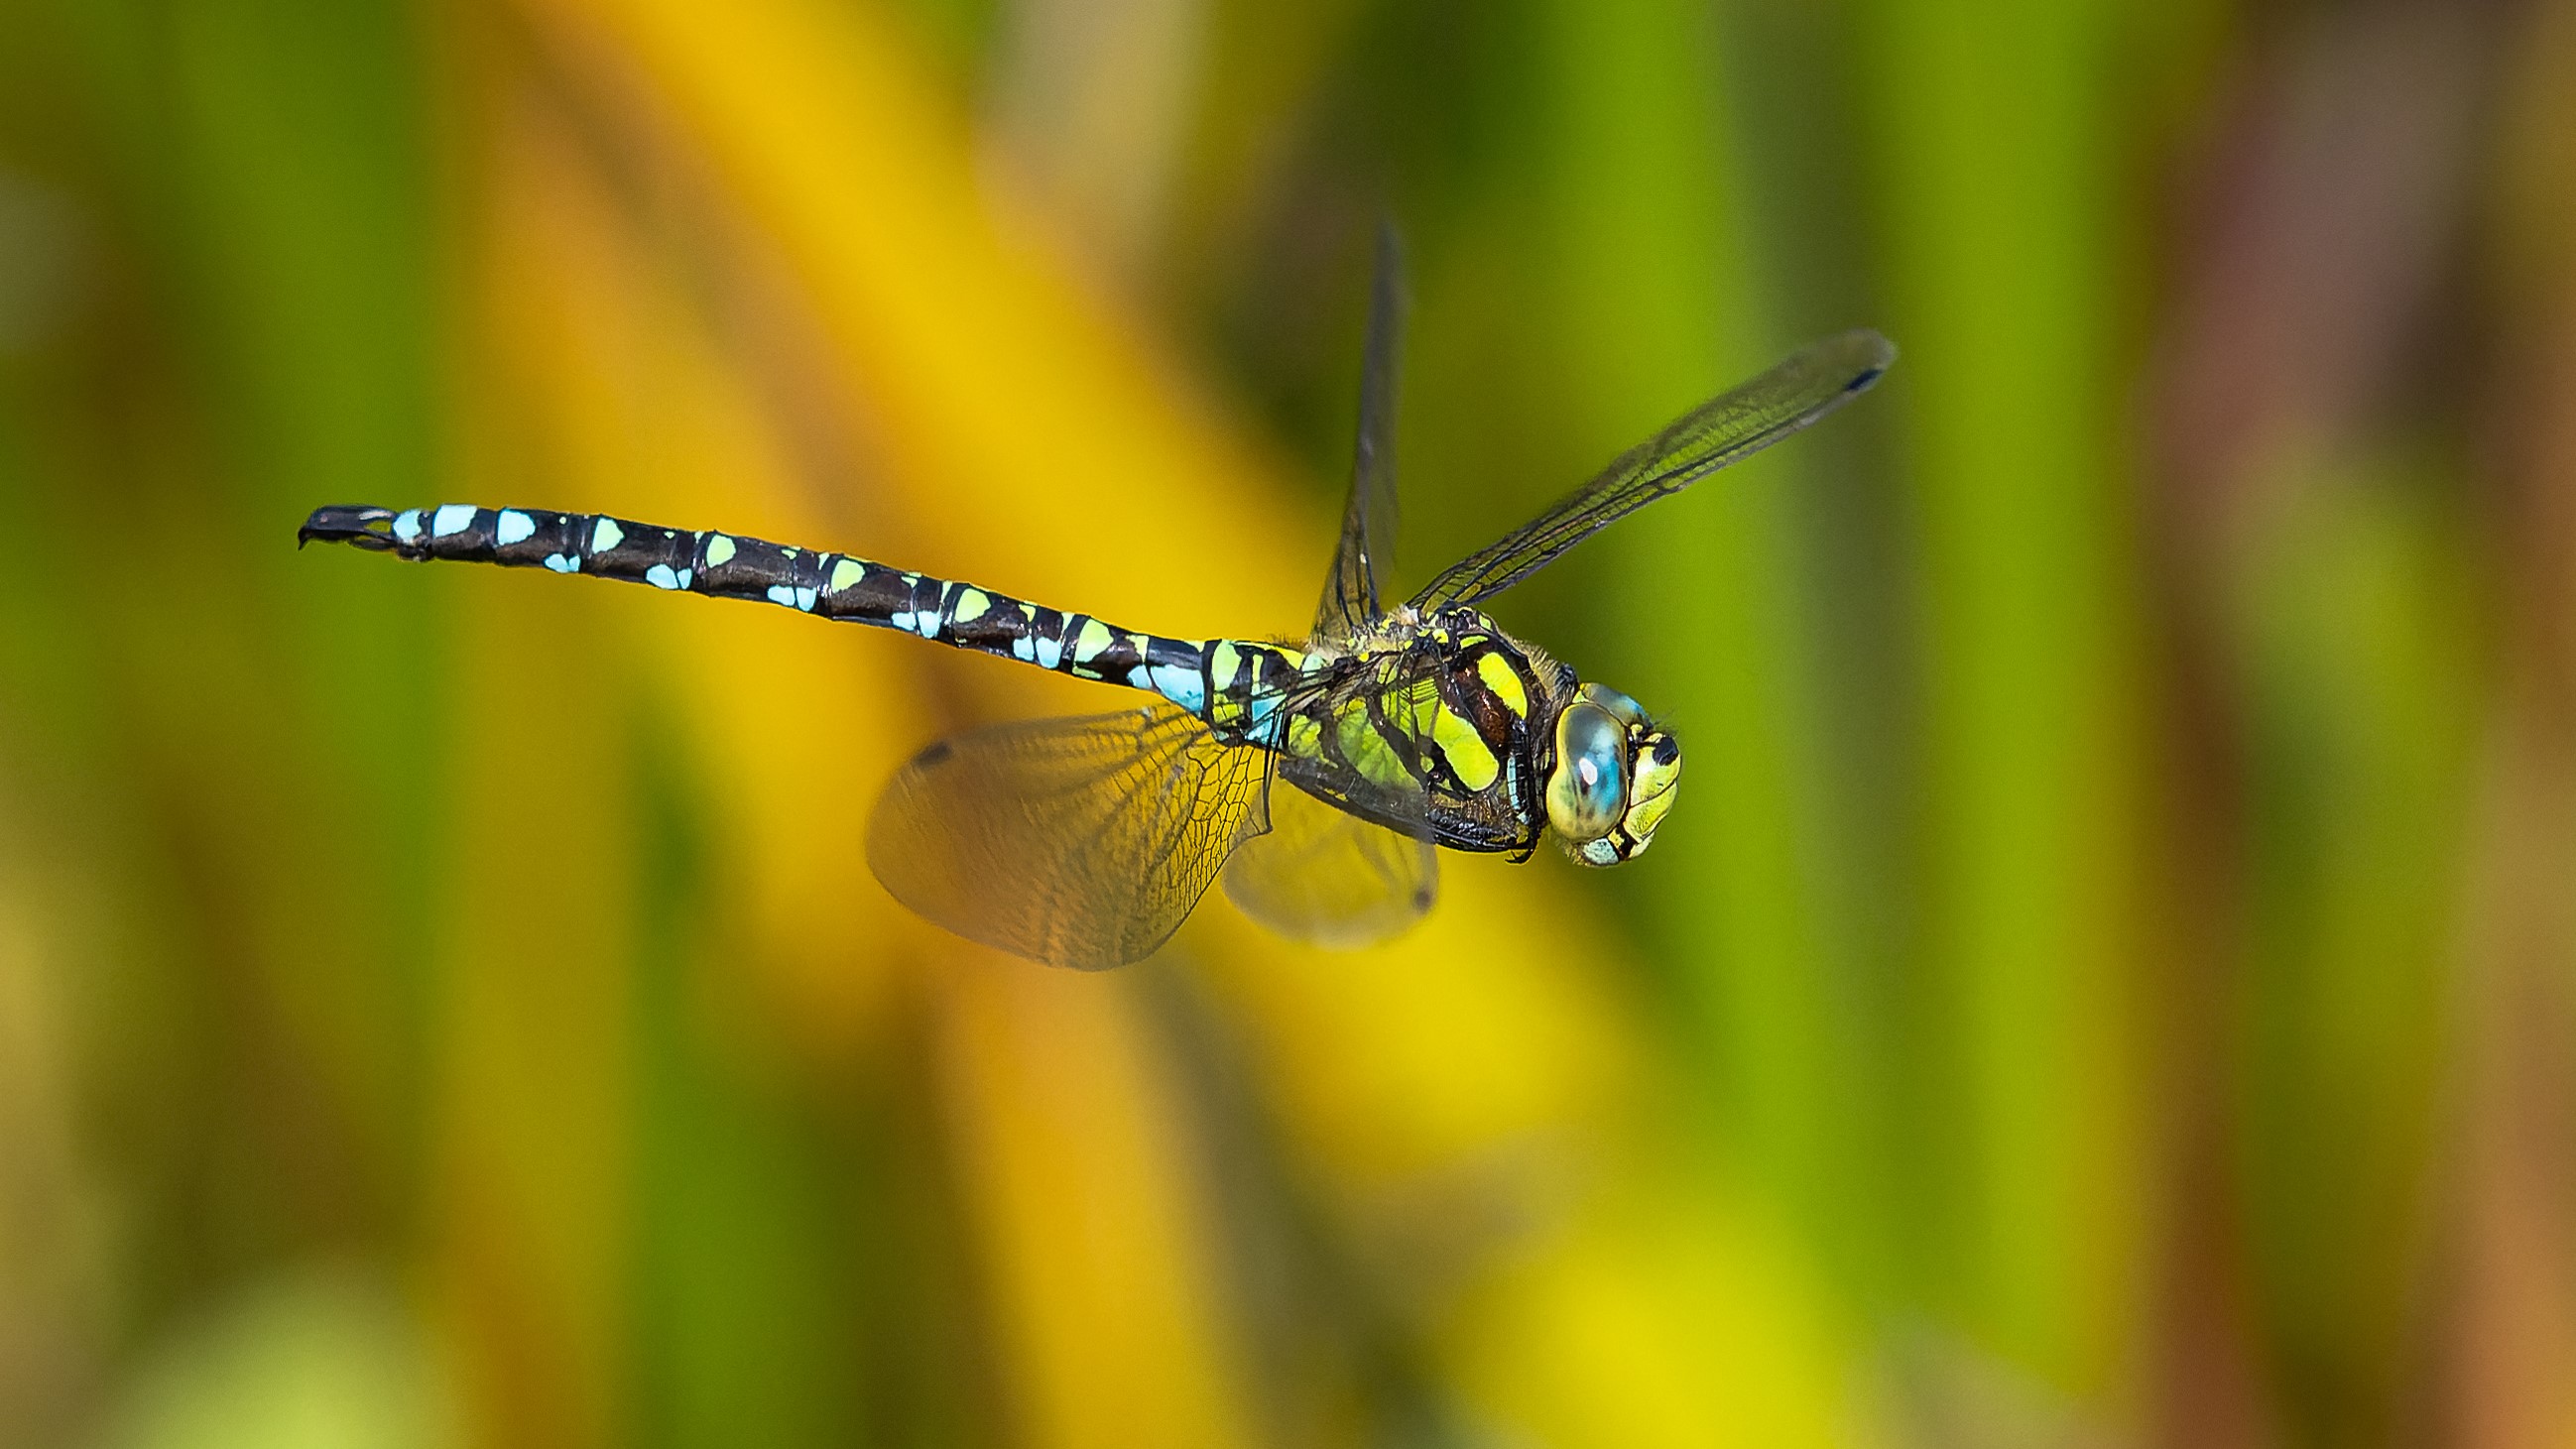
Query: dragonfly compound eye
1620	706
1616	777
1587	792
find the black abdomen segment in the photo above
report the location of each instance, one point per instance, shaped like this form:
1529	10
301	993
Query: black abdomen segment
1236	678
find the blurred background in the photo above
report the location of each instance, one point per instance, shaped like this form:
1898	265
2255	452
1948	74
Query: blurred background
2109	982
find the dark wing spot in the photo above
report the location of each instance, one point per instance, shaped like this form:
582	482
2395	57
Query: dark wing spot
932	756
1422	898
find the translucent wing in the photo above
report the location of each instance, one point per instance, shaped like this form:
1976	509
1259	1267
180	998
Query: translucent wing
1368	519
1725	429
1324	875
1361	764
1077	842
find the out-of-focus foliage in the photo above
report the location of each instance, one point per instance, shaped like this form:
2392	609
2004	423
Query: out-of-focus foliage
2110	981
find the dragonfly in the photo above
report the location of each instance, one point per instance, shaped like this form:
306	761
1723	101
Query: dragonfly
1319	778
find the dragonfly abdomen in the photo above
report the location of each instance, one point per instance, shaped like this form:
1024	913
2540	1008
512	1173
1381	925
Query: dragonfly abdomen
1233	684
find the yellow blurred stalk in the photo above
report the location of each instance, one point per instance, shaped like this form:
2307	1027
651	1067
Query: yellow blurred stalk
614	393
624	405
1029	439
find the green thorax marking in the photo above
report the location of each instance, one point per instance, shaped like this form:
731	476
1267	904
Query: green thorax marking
1448	705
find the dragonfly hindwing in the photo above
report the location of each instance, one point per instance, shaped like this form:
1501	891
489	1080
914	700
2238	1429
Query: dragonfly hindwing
1324	875
1078	842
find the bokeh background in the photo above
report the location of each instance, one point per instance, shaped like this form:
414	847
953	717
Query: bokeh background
2109	982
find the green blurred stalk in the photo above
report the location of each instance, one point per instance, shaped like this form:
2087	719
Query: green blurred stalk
1994	133
1658	257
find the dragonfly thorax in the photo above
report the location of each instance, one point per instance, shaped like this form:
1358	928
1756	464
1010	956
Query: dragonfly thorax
1438	724
1445	724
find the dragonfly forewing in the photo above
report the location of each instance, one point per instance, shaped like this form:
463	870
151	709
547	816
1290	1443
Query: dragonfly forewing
1727	429
1351	606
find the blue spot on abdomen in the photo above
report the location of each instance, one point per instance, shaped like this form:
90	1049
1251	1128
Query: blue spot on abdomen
1180	684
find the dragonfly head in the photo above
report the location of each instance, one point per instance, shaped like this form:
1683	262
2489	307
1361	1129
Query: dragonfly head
1615	776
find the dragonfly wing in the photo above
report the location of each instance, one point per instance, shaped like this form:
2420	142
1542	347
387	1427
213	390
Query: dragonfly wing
1368	518
1077	842
1726	429
1362	762
1326	876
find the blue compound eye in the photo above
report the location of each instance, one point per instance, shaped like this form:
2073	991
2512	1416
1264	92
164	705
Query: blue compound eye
1588	789
1621	707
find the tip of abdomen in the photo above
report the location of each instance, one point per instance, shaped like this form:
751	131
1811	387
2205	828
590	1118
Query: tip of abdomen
349	523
